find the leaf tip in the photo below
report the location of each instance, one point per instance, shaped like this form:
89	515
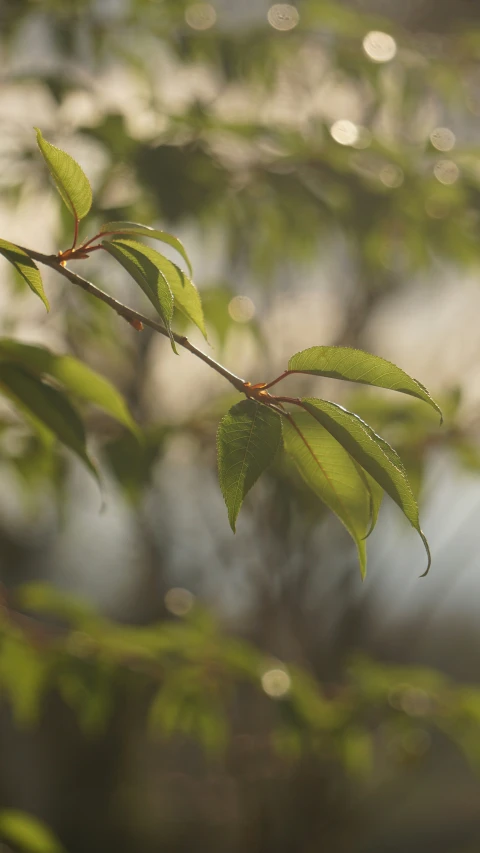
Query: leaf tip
429	556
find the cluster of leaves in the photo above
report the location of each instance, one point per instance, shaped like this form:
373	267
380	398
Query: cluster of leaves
191	673
340	457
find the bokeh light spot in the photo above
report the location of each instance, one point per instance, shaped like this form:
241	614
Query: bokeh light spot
379	47
446	171
283	16
442	138
179	601
276	683
200	16
241	309
391	176
344	132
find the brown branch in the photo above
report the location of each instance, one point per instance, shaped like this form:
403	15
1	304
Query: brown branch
133	317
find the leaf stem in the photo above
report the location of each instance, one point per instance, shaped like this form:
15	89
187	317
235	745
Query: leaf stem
134	317
75	234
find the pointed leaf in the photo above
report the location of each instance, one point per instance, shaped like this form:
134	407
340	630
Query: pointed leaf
151	279
47	405
114	229
332	474
247	440
73	374
25	267
372	452
70	179
358	366
185	294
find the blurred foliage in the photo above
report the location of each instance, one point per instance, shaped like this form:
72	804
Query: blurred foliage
193	674
231	131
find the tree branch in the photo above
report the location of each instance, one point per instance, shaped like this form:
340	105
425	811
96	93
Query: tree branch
133	317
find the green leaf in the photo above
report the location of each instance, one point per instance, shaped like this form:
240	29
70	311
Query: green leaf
332	474
73	374
113	229
25	267
47	405
372	452
24	673
27	832
70	179
247	440
376	497
185	294
133	258
358	366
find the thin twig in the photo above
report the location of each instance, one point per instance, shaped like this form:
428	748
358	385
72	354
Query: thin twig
133	317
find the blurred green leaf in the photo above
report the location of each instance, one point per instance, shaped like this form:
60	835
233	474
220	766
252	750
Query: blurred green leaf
76	376
27	832
48	406
24	675
25	267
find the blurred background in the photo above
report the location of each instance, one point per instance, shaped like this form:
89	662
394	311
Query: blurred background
181	688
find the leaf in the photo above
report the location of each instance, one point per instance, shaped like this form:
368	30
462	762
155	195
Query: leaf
372	452
47	405
376	497
25	267
27	832
70	179
185	294
113	229
247	440
73	374
358	366
24	673
331	473
151	279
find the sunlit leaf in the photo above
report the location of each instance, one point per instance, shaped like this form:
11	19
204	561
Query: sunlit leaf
132	256
332	474
47	405
247	440
358	366
25	267
372	452
27	832
185	294
76	376
70	180
113	229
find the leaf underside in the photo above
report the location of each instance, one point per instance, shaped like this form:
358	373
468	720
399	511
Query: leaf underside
247	440
48	406
333	475
113	229
26	268
69	178
358	366
185	295
149	277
